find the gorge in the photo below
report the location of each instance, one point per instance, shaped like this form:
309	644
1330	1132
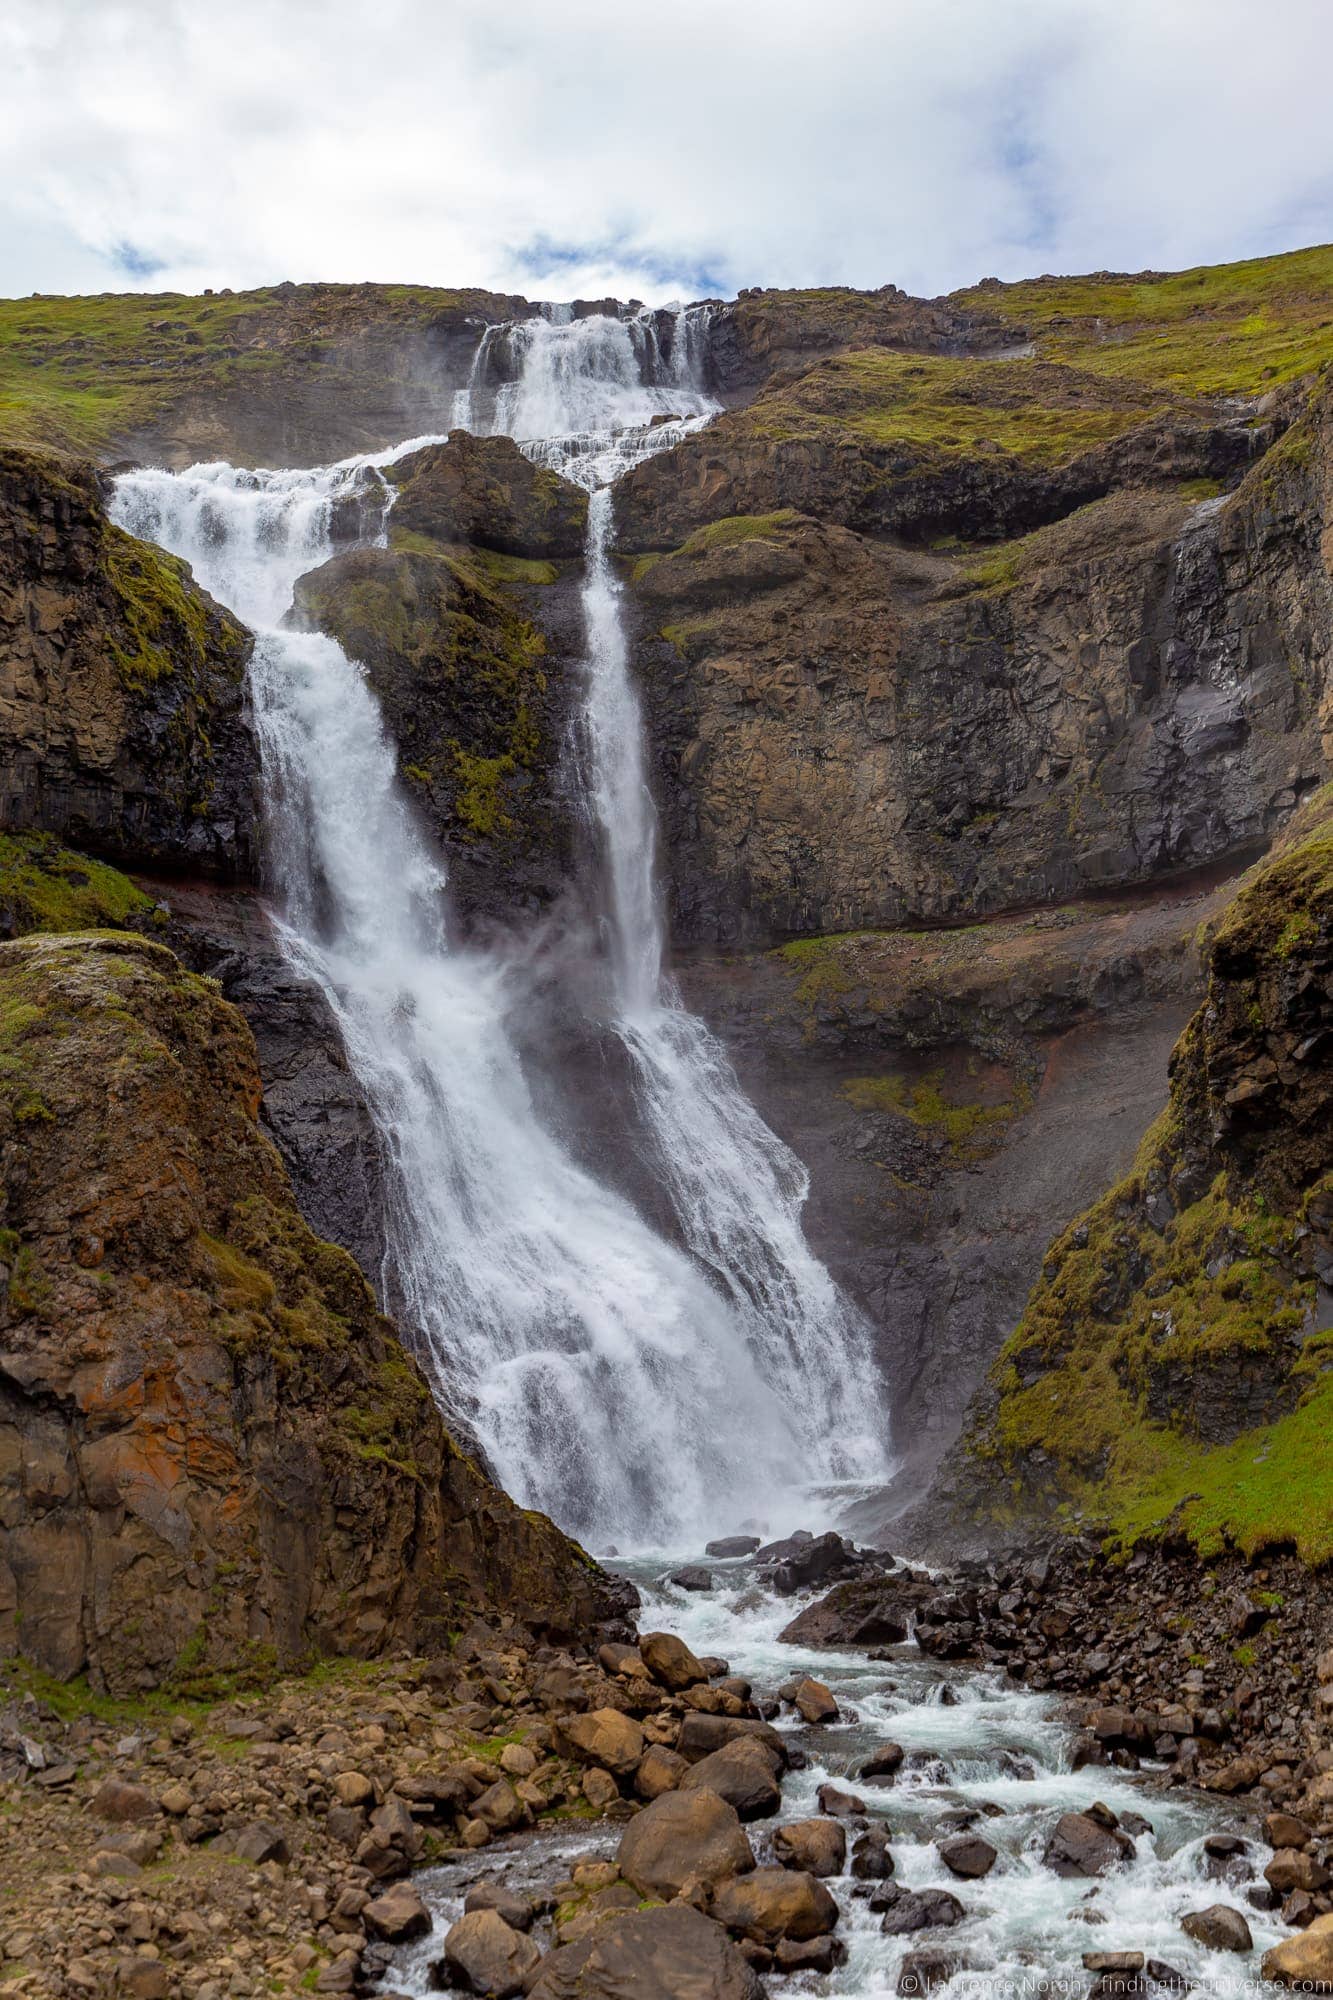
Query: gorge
728	824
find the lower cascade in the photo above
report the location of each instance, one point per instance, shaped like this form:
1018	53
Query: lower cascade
633	1386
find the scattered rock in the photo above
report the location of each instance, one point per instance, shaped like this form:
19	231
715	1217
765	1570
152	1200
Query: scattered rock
884	1762
666	1954
969	1856
1304	1962
743	1773
483	1954
398	1915
814	1702
732	1545
693	1577
1082	1844
818	1846
1219	1927
670	1661
767	1904
908	1910
680	1837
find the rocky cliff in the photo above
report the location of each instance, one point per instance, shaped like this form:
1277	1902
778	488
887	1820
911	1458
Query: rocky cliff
123	711
214	1452
1173	1365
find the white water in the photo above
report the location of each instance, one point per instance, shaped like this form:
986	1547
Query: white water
1025	1929
627	1387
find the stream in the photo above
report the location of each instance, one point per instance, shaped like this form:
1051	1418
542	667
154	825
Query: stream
994	1750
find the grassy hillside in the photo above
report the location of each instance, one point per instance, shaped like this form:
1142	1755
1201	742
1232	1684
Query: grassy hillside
1175	1362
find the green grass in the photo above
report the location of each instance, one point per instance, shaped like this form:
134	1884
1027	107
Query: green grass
83	373
953	408
1216	330
726	533
969	1129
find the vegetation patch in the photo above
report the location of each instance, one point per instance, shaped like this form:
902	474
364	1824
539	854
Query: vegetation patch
938	1103
47	887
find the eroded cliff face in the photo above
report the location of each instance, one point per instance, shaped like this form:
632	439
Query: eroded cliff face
213	1450
852	735
1172	1368
123	711
470	633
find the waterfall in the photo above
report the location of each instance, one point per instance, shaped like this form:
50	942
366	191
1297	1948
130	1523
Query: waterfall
631	1387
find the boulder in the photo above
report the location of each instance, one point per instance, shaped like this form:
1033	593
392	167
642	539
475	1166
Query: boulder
599	1788
909	1910
767	1904
666	1954
818	1846
603	1736
670	1661
117	1800
1219	1927
660	1770
627	1660
483	1954
693	1577
922	1971
1304	1961
882	1763
262	1841
500	1808
517	1911
969	1856
398	1915
683	1836
1283	1829
814	1702
730	1546
839	1804
1296	1868
872	1860
742	1772
1081	1844
483	491
700	1735
821	1955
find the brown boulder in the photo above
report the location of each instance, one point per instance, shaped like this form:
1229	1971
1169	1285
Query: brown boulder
667	1954
700	1735
500	1808
1295	1868
818	1846
116	1799
1304	1961
969	1856
660	1771
603	1736
773	1903
815	1702
483	1954
670	1661
681	1837
1219	1927
398	1915
743	1773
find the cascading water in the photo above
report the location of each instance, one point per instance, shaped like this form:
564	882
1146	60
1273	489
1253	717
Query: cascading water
627	1387
593	398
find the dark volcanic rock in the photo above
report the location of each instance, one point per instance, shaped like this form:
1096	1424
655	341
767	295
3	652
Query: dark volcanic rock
122	685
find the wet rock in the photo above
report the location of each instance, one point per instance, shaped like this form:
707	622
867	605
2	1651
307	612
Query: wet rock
500	1808
670	1661
1081	1844
923	1971
744	1773
818	1846
516	1910
1167	1976
1304	1962
820	1955
772	1903
814	1702
969	1856
884	1762
398	1915
485	1955
664	1954
872	1860
627	1660
730	1546
909	1910
682	1837
602	1736
839	1804
1219	1927
693	1577
483	491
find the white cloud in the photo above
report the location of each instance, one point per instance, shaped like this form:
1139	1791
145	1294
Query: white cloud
645	149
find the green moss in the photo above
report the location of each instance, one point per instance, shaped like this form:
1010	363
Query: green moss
722	534
970	1129
166	621
47	887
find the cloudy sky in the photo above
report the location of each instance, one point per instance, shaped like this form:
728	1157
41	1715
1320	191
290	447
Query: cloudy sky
575	147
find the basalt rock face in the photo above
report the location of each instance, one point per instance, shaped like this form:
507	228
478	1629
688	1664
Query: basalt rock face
851	735
122	686
476	696
1173	1365
213	1450
483	491
763	333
